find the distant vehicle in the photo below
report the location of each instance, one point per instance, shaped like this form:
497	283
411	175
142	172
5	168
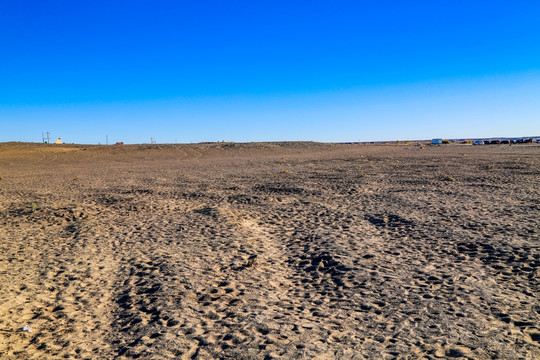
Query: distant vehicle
446	141
478	142
495	142
119	143
437	141
505	141
537	141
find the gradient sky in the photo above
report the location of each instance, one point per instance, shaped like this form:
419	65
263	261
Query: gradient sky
268	70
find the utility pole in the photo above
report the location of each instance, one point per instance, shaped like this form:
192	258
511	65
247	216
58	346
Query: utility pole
43	138
107	139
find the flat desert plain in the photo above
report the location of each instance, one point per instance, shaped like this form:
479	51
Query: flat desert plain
269	251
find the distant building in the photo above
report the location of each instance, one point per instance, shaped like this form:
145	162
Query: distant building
437	141
58	141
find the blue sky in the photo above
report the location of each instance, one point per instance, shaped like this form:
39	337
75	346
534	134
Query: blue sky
264	71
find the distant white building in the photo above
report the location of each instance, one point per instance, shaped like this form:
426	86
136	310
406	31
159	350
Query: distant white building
58	141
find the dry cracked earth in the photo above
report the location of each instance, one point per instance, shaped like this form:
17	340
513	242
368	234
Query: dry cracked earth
269	251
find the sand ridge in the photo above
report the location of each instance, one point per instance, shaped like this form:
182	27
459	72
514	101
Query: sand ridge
253	251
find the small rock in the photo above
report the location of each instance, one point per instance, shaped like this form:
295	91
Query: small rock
27	328
458	351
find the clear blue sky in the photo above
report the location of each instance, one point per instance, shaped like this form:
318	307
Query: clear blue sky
268	70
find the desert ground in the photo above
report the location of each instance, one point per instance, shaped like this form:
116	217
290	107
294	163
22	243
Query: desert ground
269	251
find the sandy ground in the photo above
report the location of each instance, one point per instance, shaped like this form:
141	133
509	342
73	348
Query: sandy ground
269	251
